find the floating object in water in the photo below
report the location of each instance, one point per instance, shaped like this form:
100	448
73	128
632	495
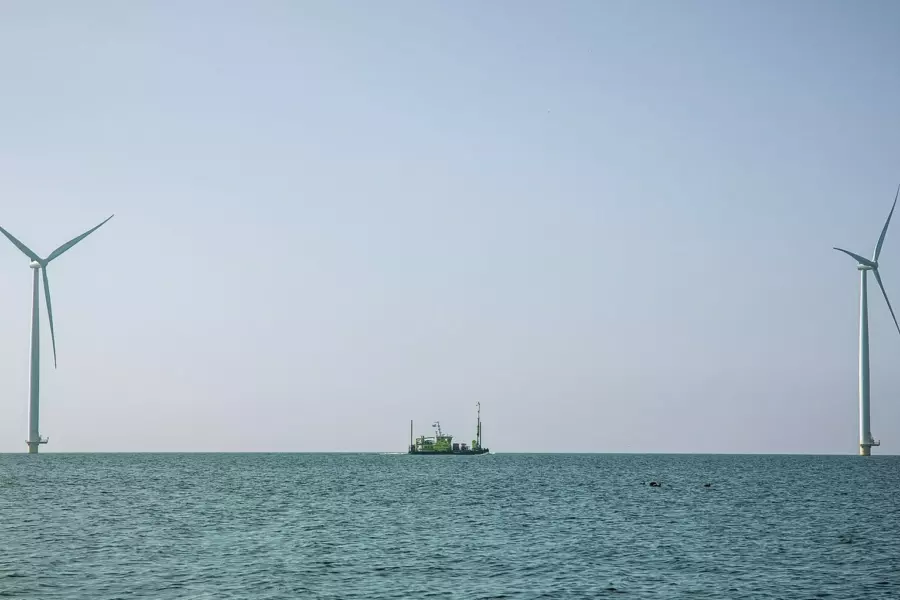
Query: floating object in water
846	538
655	484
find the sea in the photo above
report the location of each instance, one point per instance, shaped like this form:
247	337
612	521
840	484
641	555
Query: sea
386	526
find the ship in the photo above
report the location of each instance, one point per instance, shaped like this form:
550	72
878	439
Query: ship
443	444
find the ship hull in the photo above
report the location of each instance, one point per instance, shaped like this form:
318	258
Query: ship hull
451	453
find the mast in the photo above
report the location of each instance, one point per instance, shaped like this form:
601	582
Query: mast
478	430
410	434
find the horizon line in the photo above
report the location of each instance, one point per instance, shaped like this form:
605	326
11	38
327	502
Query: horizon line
404	453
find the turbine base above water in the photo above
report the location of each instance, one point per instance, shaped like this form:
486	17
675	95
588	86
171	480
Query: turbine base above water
865	449
33	446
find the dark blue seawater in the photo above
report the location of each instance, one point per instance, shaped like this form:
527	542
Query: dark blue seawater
261	526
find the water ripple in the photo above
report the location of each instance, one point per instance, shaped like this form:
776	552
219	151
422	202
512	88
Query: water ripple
489	527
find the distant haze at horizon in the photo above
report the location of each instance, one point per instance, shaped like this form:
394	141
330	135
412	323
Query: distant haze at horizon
610	223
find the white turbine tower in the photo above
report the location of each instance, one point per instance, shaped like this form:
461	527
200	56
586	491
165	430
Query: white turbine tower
40	264
866	441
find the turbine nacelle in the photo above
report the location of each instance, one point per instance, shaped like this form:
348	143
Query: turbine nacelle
861	267
35	265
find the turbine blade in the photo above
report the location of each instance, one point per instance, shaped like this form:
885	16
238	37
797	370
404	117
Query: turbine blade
49	312
861	260
70	243
881	285
886	223
25	249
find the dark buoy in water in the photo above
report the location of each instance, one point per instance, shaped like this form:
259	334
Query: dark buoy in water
655	484
707	485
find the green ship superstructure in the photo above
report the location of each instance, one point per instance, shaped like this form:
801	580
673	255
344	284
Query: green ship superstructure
443	444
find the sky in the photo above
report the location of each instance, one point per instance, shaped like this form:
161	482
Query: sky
611	223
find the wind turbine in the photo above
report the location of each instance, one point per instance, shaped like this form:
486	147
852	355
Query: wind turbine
40	264
864	265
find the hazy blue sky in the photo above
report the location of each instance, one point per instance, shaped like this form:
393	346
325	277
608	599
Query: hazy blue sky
609	222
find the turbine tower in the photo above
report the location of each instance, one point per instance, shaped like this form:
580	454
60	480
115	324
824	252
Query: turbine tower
864	265
40	264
